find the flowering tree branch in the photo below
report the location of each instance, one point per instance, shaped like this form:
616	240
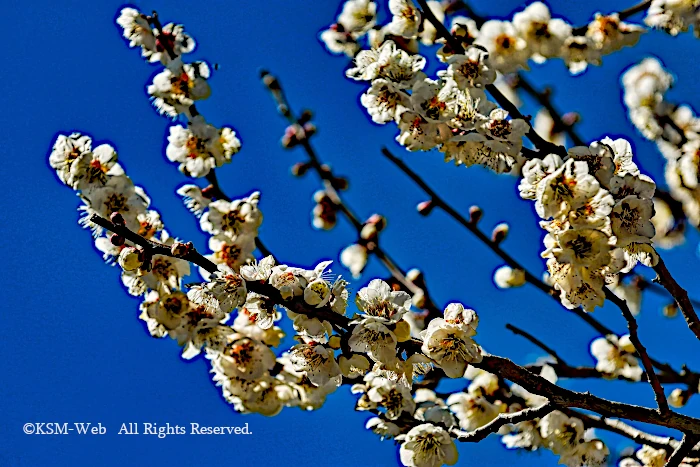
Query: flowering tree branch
503	419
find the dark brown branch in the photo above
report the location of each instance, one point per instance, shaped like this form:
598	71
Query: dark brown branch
544	99
566	398
686	445
503	419
623	429
641	350
680	295
154	248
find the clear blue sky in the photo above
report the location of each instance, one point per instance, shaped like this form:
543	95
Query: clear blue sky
72	346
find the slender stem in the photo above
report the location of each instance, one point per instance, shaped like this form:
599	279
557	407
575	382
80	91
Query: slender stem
680	295
623	429
326	175
641	351
545	101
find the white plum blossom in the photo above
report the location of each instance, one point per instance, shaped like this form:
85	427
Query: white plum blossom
544	35
178	86
616	357
406	18
507	50
201	147
427	445
472	69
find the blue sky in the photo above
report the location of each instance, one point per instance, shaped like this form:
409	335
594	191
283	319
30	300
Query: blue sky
73	349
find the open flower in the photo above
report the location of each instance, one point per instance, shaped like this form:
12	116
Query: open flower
427	445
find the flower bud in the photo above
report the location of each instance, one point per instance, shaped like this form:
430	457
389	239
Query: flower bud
117	218
475	214
300	168
506	277
369	232
340	183
130	258
670	310
678	398
426	207
116	239
377	220
414	275
499	233
418	299
309	129
305	117
208	191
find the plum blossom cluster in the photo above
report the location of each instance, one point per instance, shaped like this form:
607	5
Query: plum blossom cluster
531	34
596	207
674	16
450	113
676	131
198	147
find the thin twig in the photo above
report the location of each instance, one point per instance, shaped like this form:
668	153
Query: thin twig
641	351
680	295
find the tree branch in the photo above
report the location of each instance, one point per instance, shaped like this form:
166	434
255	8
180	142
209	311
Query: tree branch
641	350
680	295
503	419
686	445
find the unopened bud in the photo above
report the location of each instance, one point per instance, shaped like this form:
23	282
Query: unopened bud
377	220
130	258
309	129
414	275
116	239
426	207
117	218
208	191
369	232
305	117
670	310
500	232
300	168
269	81
571	118
475	214
340	183
678	398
